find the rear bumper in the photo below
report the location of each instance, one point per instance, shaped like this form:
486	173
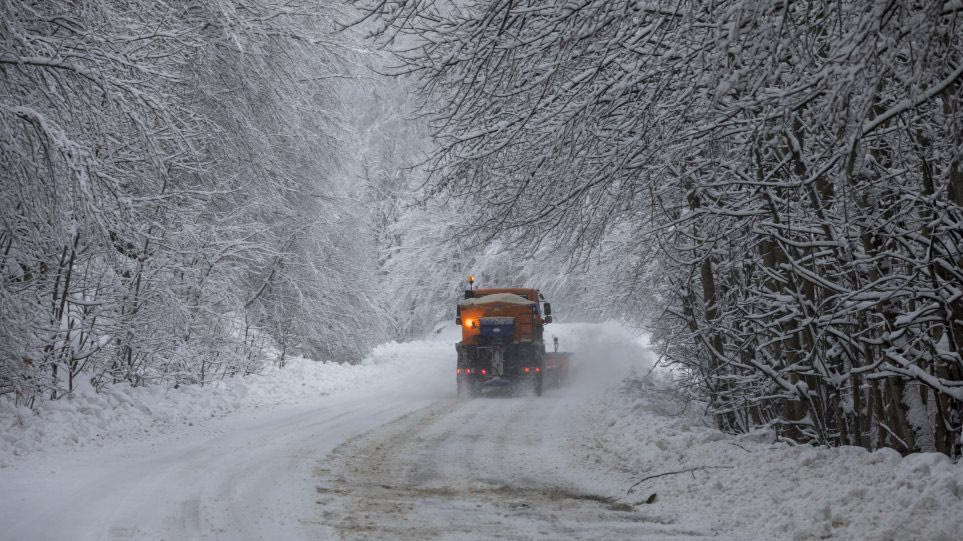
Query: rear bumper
497	381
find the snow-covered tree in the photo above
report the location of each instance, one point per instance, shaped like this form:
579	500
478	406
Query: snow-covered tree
178	194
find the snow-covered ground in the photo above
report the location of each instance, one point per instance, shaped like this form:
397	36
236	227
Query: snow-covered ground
384	450
744	486
122	412
229	461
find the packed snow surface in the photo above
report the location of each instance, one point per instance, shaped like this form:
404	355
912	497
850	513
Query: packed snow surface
384	450
509	298
89	418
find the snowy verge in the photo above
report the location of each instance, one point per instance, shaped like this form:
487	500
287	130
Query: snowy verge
122	412
749	483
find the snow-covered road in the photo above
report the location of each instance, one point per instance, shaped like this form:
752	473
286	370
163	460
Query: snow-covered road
399	457
488	468
355	468
242	478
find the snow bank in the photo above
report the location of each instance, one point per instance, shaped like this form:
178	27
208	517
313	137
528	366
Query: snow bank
422	369
121	411
628	423
749	483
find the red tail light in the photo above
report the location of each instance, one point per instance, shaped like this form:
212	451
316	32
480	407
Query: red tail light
468	371
527	369
458	371
484	372
538	369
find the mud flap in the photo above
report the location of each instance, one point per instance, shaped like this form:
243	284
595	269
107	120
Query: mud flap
465	389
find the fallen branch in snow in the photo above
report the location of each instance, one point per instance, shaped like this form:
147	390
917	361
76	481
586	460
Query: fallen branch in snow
739	446
687	470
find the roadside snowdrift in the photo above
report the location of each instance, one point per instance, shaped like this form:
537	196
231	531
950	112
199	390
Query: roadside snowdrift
639	428
121	411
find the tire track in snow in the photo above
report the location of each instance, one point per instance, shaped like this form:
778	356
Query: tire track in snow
483	469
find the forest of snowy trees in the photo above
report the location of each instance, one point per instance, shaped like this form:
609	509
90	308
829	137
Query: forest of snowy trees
183	195
776	186
773	188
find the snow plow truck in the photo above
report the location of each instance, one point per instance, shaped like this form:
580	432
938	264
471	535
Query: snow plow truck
502	345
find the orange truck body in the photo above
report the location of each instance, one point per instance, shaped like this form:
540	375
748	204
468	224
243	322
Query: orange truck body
528	322
503	343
